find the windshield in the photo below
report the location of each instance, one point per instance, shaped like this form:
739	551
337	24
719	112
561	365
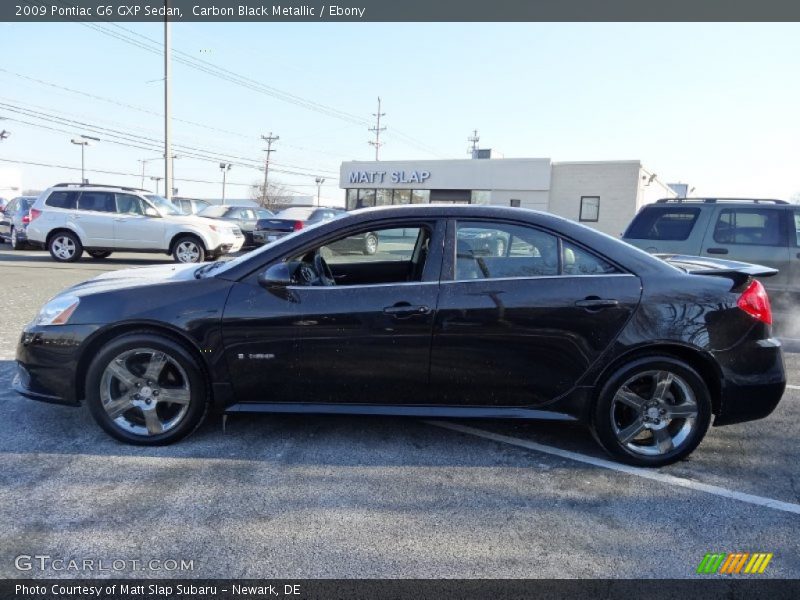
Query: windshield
213	211
299	213
164	206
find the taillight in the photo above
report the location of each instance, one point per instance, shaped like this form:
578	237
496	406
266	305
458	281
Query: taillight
298	225
755	302
26	219
34	214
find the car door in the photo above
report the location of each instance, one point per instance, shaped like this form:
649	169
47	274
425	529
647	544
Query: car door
133	229
94	218
364	340
755	235
521	326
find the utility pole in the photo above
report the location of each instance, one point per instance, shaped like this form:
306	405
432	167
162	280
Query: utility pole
319	181
269	139
168	183
377	130
474	139
224	167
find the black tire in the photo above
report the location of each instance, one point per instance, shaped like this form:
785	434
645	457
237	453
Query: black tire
181	253
15	243
98	254
370	244
197	406
59	247
614	419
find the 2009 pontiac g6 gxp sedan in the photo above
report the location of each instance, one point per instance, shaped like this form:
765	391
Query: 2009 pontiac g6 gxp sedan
556	322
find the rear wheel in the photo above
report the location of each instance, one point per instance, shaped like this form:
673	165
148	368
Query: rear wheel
146	389
16	243
370	244
99	254
652	412
64	246
188	249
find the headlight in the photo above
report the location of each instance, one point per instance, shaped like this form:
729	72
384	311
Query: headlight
57	311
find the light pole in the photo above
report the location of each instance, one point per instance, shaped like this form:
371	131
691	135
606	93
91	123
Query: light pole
156	179
224	167
144	161
83	141
319	181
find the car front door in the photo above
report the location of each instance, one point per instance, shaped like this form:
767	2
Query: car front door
521	325
133	229
95	218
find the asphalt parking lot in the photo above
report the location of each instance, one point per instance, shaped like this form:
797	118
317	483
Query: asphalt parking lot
329	497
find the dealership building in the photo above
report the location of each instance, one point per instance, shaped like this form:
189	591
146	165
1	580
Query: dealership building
604	195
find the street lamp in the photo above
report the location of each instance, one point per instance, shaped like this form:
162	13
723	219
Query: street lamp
156	179
144	161
4	134
319	181
224	167
83	141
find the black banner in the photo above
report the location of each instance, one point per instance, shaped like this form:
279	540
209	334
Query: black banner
399	589
399	10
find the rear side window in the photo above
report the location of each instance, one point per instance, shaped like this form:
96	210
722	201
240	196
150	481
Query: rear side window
577	261
749	226
62	199
673	224
97	201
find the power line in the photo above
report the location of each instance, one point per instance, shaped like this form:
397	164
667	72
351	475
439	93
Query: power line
269	139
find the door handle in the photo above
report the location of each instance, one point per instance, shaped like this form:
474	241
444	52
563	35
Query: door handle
596	303
717	250
404	310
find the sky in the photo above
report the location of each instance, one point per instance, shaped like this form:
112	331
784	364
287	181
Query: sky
711	105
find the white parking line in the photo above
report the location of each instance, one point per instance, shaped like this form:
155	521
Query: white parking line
793	387
621	468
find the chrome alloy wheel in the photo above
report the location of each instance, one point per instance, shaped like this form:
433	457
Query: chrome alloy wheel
653	412
63	247
188	252
145	391
372	244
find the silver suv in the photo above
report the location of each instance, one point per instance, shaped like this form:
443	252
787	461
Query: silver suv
69	218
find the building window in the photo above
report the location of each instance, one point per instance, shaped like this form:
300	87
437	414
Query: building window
420	196
514	202
402	197
480	197
590	208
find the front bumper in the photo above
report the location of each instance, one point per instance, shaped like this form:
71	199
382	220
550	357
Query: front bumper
47	361
753	381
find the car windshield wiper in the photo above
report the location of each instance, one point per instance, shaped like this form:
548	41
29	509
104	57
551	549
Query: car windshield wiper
201	272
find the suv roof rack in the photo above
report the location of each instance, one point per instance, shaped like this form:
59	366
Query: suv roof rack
715	200
118	187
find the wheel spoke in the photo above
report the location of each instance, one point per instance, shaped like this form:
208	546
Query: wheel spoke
121	372
152	422
157	362
630	432
687	410
118	407
662	440
629	397
664	381
174	395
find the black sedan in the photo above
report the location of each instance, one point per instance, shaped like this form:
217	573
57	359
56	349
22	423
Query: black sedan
567	324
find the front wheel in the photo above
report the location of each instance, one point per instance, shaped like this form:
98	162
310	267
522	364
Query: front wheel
652	412
146	389
65	246
188	249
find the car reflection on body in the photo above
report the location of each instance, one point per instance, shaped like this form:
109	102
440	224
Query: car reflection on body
566	323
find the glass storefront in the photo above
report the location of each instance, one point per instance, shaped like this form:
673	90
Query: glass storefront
362	198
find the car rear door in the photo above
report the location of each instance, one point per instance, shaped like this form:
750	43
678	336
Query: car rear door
755	234
94	218
522	328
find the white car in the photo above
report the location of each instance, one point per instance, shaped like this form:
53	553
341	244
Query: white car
69	218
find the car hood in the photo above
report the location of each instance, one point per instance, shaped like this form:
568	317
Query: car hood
137	277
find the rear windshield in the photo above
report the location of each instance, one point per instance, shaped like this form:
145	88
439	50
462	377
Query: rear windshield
299	213
673	223
213	211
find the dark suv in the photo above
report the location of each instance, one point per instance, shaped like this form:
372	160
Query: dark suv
765	232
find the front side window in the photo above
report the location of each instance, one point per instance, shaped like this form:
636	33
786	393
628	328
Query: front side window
748	226
668	224
164	206
68	200
590	208
97	202
129	204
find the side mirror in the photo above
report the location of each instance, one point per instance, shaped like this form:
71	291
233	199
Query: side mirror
149	211
277	276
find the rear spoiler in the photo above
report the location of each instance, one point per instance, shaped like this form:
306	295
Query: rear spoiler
739	272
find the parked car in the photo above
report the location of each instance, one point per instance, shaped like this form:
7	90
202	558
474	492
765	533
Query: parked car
14	221
190	206
756	231
245	217
571	325
69	218
295	218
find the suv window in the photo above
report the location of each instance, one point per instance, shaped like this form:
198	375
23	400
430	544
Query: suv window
62	200
130	204
97	201
673	223
749	226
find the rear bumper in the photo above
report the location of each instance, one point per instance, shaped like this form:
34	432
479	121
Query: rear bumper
753	381
263	237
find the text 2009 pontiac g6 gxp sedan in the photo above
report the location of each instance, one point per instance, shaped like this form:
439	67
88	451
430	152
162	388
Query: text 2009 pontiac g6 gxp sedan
558	322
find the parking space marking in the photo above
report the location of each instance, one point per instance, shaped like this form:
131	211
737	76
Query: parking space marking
622	468
793	387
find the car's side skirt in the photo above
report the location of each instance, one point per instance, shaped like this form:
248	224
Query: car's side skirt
477	412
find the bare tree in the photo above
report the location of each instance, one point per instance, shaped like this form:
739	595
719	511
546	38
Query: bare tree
276	194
